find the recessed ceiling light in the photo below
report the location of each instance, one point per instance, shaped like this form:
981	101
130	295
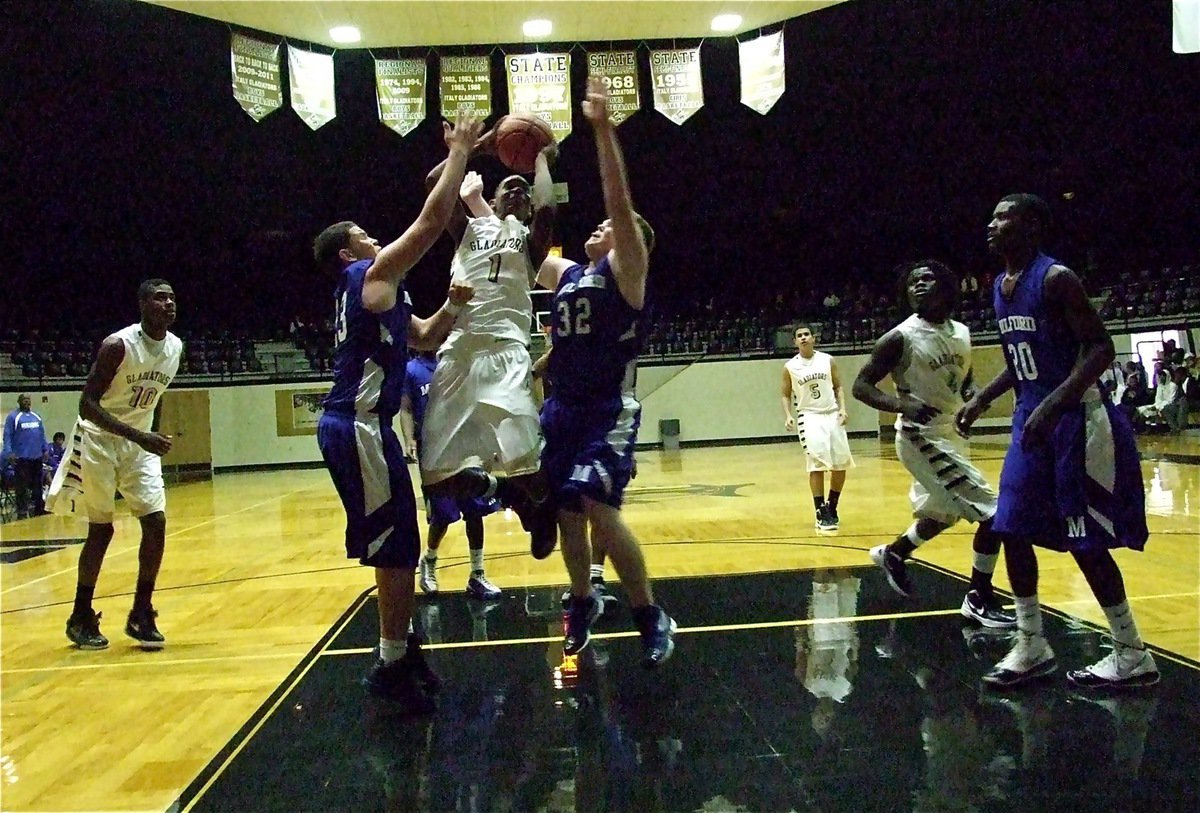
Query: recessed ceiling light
344	34
537	28
726	22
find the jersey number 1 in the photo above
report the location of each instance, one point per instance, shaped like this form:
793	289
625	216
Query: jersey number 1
494	273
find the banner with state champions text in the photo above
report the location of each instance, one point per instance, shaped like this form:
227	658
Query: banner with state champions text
761	63
311	79
618	71
254	67
540	85
678	85
400	93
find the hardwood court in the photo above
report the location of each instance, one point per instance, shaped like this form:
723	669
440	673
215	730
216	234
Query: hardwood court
254	588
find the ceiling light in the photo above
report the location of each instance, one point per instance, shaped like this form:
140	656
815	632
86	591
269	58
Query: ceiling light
342	34
726	22
537	28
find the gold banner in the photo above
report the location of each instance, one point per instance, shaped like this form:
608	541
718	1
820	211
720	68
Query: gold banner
540	85
618	71
466	84
311	76
678	86
400	93
255	71
297	412
761	62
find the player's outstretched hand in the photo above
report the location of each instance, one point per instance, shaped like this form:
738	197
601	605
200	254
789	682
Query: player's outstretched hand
966	416
154	443
918	411
464	133
472	185
486	143
595	102
460	293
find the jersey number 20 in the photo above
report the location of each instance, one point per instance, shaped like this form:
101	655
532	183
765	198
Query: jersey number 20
580	326
1022	361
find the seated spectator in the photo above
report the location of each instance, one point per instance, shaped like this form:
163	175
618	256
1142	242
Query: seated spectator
1164	394
1135	393
1191	384
1175	413
54	456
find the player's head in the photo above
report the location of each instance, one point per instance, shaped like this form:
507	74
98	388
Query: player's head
59	438
156	301
513	197
341	244
24	403
929	287
1019	222
804	338
601	242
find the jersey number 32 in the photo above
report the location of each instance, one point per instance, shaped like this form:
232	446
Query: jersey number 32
565	325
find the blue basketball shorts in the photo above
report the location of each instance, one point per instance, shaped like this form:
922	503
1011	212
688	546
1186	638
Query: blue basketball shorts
589	450
448	510
1082	490
367	466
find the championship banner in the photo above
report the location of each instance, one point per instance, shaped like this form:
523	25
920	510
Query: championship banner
618	71
678	87
540	85
466	84
400	93
1185	26
761	62
255	70
312	86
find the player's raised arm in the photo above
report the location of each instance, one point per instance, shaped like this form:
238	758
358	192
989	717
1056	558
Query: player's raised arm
484	145
630	253
471	194
541	227
428	334
398	257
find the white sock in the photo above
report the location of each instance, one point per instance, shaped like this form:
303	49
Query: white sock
1124	628
597	572
391	650
986	562
410	627
912	536
477	561
1029	615
493	483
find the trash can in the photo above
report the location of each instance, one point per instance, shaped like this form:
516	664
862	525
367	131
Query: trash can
668	432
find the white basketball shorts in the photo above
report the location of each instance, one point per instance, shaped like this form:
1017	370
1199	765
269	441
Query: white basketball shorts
824	440
946	485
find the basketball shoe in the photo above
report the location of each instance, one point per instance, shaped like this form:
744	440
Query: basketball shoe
1126	667
658	634
84	631
428	578
398	681
608	602
987	613
1030	658
578	618
140	627
893	567
827	521
478	587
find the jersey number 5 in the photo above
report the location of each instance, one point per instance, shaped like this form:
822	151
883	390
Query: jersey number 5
814	390
580	326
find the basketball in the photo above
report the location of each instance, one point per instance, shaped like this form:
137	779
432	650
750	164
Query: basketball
519	138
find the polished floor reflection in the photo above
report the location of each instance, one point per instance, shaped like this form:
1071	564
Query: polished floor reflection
796	690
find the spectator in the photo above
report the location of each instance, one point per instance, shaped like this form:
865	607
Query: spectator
1175	413
831	303
54	455
969	283
1164	394
1191	384
25	448
1135	394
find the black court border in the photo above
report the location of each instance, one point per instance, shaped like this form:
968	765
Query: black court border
196	789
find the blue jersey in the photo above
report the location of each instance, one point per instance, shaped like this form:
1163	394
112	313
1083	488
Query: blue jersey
370	350
416	387
1040	349
596	338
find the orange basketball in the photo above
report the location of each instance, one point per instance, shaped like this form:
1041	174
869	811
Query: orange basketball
519	138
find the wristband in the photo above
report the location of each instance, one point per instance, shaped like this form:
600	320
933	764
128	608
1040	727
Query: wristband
451	308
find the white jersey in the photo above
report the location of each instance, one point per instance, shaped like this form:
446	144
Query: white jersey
812	383
492	258
936	360
146	371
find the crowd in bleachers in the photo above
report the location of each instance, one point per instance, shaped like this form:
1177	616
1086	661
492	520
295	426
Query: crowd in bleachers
1161	399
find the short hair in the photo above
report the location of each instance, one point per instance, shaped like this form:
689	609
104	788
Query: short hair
330	242
945	277
803	326
647	232
524	182
147	288
58	435
1034	208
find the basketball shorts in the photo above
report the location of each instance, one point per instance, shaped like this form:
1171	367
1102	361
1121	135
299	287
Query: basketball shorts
367	466
481	413
589	450
97	464
449	510
1081	490
824	440
946	485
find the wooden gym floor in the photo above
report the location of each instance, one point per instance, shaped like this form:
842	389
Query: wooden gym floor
800	681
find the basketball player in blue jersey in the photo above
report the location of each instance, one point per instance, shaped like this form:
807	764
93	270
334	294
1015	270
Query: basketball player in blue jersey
373	328
928	356
442	512
481	433
591	418
1071	479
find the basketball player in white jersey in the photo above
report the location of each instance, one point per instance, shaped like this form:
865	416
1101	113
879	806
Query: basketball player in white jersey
814	406
114	446
928	356
482	419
